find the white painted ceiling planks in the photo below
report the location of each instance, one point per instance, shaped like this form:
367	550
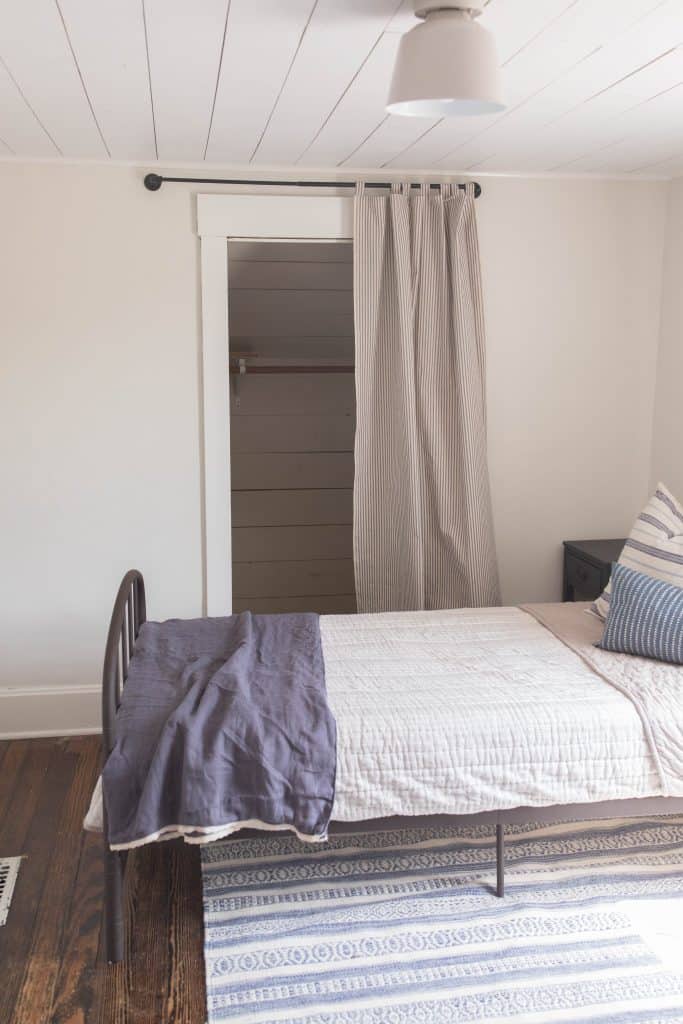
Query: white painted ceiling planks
592	86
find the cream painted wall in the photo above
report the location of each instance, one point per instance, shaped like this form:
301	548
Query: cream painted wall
100	437
667	446
99	400
572	282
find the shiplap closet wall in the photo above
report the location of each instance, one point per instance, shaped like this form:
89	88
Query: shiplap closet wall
292	434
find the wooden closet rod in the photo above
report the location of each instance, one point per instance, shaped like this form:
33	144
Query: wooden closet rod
153	183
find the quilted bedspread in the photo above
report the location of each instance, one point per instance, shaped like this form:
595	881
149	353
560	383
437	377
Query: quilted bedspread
654	687
474	710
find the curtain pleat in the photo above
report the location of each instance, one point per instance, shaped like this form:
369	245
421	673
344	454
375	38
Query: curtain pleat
422	532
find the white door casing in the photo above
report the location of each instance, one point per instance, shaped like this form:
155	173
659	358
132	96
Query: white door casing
219	219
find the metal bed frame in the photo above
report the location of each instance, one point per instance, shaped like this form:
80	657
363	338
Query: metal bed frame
128	615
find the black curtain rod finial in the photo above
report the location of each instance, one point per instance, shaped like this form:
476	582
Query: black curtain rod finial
153	183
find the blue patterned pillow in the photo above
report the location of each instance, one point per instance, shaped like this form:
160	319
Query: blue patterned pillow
645	617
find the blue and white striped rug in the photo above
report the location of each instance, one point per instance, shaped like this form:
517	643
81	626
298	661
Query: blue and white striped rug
402	927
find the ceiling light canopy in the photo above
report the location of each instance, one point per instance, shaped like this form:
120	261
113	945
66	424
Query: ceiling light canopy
447	65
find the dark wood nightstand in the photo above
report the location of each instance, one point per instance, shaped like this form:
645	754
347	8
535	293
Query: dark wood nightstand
587	567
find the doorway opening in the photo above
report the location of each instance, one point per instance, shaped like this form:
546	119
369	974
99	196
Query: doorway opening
292	424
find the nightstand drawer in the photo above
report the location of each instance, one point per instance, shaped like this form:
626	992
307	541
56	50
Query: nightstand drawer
584	579
587	567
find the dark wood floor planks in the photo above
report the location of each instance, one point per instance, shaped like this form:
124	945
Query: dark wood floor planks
19	785
42	806
50	948
77	975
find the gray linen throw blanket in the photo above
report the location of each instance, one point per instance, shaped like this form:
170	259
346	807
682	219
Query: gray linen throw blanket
223	724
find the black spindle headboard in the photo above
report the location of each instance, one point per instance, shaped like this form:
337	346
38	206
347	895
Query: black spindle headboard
127	616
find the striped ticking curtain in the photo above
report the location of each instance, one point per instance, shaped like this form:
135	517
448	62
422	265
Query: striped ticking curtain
423	534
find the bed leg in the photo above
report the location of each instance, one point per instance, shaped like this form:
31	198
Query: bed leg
500	860
113	906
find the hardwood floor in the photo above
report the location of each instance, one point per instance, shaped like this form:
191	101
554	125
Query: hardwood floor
50	958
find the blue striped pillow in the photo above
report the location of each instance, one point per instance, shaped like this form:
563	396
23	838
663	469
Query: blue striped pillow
645	617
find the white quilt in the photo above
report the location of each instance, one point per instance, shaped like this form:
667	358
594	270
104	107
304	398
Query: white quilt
474	710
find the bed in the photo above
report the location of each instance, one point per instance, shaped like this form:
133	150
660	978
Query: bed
494	716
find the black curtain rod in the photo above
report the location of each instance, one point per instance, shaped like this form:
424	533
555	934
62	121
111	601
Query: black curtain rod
153	182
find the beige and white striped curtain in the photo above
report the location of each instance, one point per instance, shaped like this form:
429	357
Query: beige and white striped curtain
423	534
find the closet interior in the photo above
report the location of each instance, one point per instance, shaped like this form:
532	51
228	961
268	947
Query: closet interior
292	422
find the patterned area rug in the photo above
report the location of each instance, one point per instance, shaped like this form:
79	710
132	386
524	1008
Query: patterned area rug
9	869
403	927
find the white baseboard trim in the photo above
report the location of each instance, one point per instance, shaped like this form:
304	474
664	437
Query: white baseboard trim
47	711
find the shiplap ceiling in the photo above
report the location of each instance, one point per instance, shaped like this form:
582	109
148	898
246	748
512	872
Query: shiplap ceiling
592	86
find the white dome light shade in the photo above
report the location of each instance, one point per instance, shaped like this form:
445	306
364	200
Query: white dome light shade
446	66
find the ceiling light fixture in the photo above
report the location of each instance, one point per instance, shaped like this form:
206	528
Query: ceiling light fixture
447	65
